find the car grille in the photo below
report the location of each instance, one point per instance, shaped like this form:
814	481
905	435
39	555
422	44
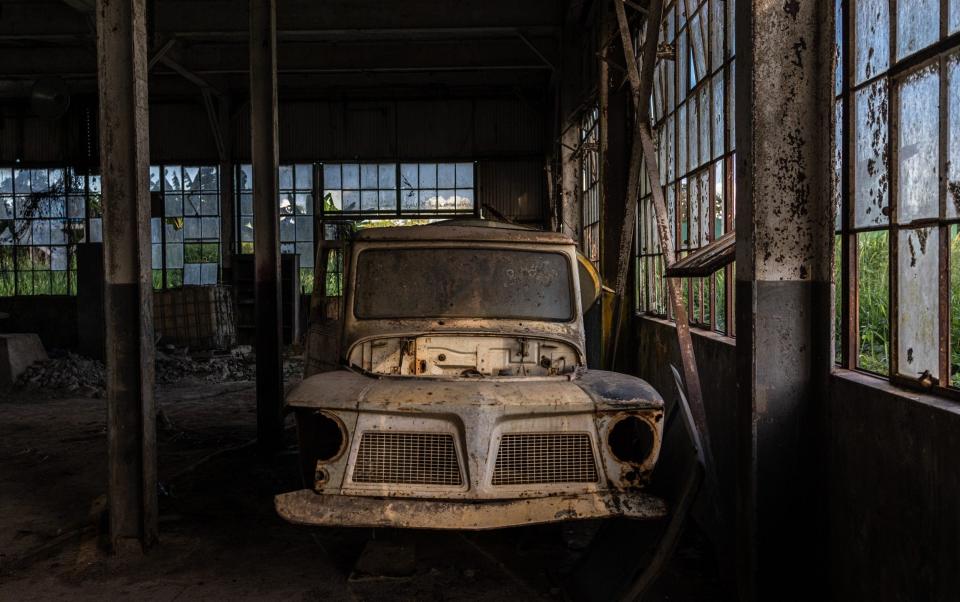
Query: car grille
410	458
528	458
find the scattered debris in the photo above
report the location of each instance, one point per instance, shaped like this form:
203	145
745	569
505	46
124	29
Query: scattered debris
75	375
70	373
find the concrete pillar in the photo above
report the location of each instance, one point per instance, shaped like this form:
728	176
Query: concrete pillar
784	222
264	151
128	291
569	90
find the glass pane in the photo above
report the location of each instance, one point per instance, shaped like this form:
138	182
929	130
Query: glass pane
191	178
871	187
368	177
838	47
171	178
286	178
836	181
837	298
428	175
872	18
716	34
918	25
331	176
409	178
303	176
872	290
953	25
953	136
718	115
954	304
918	300
918	146
245	177
351	176
446	175
209	180
388	176
464	175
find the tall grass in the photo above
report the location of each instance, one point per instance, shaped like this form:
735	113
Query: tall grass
873	292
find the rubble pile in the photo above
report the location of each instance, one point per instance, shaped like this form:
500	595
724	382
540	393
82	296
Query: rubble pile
174	365
77	375
71	373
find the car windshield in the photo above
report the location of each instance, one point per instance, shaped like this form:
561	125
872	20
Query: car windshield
463	283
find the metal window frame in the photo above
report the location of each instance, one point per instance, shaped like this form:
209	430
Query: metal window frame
673	101
897	71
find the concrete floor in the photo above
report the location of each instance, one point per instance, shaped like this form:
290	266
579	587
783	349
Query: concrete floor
220	538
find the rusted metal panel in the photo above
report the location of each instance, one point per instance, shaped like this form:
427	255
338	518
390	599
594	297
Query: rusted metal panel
180	132
507	126
514	188
435	128
308	508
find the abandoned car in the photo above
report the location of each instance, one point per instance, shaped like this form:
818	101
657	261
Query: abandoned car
463	399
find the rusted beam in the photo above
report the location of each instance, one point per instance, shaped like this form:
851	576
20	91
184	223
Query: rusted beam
264	150
641	84
128	290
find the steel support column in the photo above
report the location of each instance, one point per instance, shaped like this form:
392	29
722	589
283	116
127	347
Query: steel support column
128	290
784	216
227	207
264	151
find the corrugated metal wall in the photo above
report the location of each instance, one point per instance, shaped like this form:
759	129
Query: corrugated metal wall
506	136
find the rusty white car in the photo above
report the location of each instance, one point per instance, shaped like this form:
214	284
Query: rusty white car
463	399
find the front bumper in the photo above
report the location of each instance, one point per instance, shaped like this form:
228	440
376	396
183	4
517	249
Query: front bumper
305	507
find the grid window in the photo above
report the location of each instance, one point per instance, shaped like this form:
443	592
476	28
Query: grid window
897	189
692	110
42	219
427	188
590	182
365	190
189	235
295	209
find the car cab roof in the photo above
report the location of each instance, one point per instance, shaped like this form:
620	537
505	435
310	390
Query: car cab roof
461	230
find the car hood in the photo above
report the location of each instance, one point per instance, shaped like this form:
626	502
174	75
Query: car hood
588	391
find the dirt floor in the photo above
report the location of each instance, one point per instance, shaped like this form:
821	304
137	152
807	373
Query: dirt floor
220	538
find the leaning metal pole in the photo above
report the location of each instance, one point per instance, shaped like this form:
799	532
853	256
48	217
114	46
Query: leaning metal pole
641	83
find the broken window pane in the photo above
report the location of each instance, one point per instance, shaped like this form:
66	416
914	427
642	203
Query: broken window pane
918	25
918	146
873	318
872	18
918	302
953	136
871	196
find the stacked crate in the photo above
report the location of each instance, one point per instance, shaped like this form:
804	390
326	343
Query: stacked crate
198	317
